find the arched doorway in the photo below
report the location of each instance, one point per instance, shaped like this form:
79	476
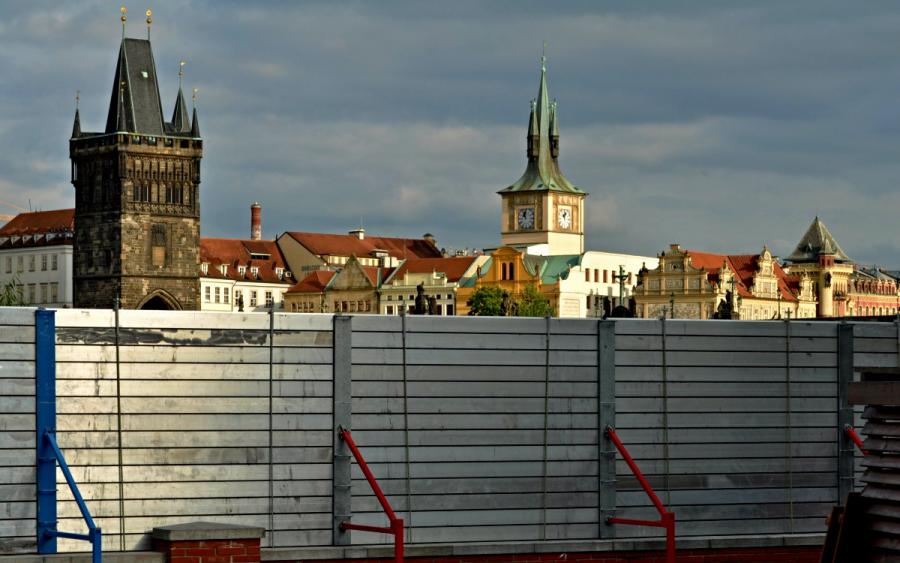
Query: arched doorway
160	300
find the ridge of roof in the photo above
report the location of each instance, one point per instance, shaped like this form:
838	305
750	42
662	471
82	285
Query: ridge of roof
37	222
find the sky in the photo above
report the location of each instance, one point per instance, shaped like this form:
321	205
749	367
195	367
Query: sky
719	125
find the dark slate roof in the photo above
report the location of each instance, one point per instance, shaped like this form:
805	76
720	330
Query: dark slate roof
542	172
180	122
817	241
140	110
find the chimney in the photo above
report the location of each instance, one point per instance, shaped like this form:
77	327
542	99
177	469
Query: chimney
255	221
359	233
430	238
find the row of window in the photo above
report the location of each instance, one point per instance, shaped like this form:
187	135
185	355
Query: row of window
39	292
171	194
607	275
223	294
413	297
442	309
362	306
48	261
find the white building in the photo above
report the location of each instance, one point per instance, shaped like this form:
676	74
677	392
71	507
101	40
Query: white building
597	276
36	251
242	275
440	278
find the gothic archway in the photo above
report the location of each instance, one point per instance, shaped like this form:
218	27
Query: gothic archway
160	300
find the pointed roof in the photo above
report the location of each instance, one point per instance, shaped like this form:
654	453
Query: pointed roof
76	126
817	241
542	172
195	125
180	123
138	108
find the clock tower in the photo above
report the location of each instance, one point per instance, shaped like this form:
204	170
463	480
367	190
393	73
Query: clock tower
542	211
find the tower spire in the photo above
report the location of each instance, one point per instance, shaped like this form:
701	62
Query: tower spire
180	122
195	122
76	127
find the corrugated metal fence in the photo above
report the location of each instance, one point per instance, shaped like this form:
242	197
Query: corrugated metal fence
479	429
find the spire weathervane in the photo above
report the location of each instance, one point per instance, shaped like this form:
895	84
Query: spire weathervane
194	97
149	22
124	18
181	72
77	98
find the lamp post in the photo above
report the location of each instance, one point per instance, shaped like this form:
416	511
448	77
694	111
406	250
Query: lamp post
672	304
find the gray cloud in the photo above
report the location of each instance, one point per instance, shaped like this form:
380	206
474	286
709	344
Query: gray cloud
723	126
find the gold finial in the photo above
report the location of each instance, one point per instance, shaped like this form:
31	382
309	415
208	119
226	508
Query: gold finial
124	18
181	64
149	22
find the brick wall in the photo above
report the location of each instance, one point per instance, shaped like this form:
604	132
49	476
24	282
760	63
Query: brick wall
210	551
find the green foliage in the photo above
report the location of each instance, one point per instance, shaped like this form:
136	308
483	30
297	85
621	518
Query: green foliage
487	301
9	294
532	303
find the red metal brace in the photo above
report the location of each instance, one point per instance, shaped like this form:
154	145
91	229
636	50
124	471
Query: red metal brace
396	524
666	518
854	437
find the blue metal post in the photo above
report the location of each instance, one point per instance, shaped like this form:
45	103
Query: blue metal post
45	390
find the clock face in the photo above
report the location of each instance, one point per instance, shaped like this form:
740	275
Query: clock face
565	218
526	218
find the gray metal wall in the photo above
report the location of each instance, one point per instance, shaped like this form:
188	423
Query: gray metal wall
487	428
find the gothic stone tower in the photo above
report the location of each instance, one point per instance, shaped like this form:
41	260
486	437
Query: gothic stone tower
137	187
543	211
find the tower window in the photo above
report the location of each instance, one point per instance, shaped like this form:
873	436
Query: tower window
158	245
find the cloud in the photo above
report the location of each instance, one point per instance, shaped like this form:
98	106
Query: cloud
721	126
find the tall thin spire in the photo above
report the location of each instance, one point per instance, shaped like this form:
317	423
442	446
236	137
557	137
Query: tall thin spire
76	127
195	122
180	123
121	121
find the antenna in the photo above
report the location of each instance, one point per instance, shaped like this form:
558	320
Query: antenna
149	22
124	18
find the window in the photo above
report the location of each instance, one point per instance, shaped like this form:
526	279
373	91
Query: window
253	298
20	261
503	271
9	264
449	296
440	309
512	271
596	276
31	292
158	245
206	293
389	310
141	193
605	276
43	262
345	306
174	194
449	310
238	298
31	264
587	274
226	293
53	262
412	298
44	289
54	292
390	298
217	298
268	299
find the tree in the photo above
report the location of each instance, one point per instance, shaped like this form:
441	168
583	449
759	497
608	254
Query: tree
486	302
9	294
533	304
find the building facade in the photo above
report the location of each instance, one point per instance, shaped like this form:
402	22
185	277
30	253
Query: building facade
352	289
688	284
137	196
542	211
239	275
440	278
873	292
36	254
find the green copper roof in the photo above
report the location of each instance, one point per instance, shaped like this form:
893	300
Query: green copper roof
550	268
542	172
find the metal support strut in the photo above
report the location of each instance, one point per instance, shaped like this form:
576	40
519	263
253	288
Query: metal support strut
48	452
396	524
666	518
854	437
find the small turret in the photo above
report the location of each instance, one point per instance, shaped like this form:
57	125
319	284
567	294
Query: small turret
534	133
180	123
195	125
76	127
554	132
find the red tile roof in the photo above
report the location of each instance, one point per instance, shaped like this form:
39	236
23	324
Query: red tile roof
323	244
372	274
249	253
315	282
453	267
744	267
39	222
